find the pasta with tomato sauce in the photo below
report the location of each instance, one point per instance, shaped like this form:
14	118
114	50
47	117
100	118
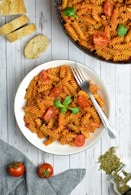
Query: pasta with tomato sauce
43	117
95	25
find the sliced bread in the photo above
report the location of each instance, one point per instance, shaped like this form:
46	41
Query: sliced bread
36	46
13	25
12	7
21	32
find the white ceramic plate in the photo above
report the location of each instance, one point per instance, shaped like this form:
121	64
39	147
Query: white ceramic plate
57	148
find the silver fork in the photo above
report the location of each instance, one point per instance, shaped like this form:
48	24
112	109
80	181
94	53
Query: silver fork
84	84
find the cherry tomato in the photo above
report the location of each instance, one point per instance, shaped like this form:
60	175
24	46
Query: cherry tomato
82	102
79	140
100	39
108	7
45	170
56	91
44	76
16	169
49	114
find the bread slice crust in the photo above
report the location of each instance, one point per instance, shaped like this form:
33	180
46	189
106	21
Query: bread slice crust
12	7
20	33
13	25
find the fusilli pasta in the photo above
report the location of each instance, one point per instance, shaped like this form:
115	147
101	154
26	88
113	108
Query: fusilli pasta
95	27
41	115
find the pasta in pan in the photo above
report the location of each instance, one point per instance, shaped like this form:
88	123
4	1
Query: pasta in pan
101	26
50	122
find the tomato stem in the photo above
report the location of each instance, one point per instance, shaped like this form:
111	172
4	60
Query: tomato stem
45	172
14	165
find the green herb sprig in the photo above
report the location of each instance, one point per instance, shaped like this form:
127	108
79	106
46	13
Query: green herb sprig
70	12
122	30
64	106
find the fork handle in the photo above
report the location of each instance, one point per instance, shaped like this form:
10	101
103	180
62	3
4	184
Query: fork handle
102	116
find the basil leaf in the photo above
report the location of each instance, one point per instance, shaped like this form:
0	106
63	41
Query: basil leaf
74	110
122	30
63	109
58	104
67	101
70	11
64	106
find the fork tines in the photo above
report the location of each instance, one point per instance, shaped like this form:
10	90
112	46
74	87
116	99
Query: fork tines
78	74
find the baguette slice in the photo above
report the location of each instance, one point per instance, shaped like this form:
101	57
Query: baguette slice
12	7
21	32
13	25
36	46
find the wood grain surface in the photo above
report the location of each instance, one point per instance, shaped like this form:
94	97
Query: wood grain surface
117	78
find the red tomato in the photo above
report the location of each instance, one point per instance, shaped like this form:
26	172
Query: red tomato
45	170
100	39
16	169
108	7
79	140
49	114
82	102
56	91
44	76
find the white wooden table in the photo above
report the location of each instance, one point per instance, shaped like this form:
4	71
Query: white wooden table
117	78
